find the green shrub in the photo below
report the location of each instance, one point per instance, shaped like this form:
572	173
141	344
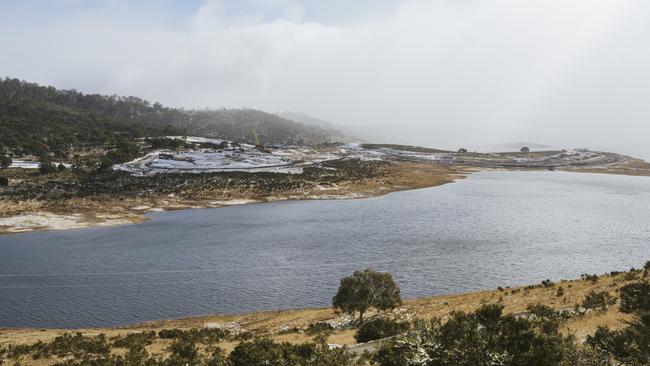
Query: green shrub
4	182
202	335
598	301
559	292
593	278
262	352
131	339
183	351
485	337
547	283
379	328
635	297
630	276
46	167
629	346
318	328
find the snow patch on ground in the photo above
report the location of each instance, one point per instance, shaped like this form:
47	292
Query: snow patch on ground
233	202
51	221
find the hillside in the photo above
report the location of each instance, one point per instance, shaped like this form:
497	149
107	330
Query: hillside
39	120
332	128
570	315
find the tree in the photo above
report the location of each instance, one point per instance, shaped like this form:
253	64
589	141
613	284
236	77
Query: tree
462	150
525	149
5	161
46	167
366	289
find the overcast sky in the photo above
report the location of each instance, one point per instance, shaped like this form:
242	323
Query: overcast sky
436	73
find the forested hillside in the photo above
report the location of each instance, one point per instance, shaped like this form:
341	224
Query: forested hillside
42	120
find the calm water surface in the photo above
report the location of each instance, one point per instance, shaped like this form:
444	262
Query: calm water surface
492	229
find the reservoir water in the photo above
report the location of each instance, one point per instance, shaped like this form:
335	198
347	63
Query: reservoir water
491	229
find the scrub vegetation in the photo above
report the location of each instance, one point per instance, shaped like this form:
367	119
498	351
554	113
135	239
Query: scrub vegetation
509	326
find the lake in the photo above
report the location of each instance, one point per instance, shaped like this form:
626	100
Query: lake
491	229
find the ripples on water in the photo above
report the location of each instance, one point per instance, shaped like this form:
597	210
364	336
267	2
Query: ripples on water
492	229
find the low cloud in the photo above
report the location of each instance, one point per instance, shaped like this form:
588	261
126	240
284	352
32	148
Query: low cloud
439	73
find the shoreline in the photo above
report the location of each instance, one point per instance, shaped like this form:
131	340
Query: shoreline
32	215
86	213
80	216
289	325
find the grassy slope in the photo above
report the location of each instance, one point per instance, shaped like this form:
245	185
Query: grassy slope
270	323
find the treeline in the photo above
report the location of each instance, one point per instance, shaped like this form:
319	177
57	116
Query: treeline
40	120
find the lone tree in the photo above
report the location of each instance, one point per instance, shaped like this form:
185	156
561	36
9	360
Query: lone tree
525	149
366	289
5	161
462	150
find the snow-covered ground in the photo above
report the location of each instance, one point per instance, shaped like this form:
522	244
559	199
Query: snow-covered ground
208	161
23	164
292	159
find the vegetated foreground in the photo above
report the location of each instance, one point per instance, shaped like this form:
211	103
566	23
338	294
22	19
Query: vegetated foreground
596	320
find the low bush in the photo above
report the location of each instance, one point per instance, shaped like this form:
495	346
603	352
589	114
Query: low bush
133	339
598	301
202	335
547	283
318	328
484	337
267	352
593	278
379	328
629	346
635	297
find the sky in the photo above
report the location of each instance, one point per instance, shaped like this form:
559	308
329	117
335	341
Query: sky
444	73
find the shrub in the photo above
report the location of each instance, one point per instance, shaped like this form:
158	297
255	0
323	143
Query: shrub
318	328
379	328
262	352
635	297
485	337
598	301
183	351
630	276
559	292
630	346
170	333
593	278
4	182
5	161
202	335
132	339
547	283
46	167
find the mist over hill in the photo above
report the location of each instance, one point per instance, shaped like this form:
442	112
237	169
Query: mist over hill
39	120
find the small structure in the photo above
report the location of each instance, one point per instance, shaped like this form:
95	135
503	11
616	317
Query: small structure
525	149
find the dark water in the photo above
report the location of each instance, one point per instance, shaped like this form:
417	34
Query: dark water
493	229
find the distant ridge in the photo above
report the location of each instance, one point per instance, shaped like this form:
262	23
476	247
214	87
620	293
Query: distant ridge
39	120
